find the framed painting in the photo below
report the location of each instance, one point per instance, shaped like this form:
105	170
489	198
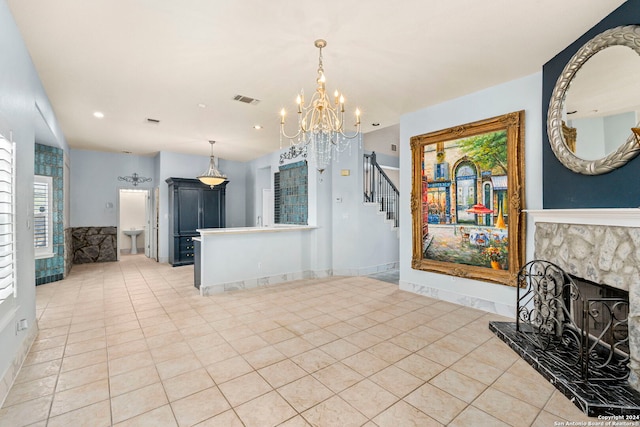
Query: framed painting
467	199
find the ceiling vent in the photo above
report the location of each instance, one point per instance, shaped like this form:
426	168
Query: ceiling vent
153	121
246	99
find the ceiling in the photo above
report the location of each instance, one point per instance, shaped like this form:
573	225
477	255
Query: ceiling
135	60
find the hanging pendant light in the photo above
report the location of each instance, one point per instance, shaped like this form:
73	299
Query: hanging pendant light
212	176
321	121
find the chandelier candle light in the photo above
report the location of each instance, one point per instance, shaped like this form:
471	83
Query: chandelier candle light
321	122
212	176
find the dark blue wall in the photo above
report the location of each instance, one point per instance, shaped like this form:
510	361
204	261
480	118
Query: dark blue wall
562	188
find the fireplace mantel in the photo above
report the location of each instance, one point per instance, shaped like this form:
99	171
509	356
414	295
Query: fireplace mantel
620	217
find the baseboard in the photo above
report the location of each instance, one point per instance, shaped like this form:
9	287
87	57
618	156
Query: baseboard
365	271
128	251
506	310
263	281
11	373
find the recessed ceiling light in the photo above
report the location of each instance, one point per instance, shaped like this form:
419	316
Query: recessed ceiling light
257	127
98	114
202	105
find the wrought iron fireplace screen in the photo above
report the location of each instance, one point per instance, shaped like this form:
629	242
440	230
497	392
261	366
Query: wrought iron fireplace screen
554	316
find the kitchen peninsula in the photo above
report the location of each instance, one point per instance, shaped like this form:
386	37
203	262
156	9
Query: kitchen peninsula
247	257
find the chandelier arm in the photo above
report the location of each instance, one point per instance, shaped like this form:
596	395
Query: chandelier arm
335	121
355	134
283	133
313	102
328	120
312	119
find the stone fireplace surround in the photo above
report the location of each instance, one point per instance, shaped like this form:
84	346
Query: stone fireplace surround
601	246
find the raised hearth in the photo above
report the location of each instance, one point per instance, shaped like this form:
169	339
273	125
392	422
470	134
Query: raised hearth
593	398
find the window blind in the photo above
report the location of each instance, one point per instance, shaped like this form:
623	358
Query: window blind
41	202
7	228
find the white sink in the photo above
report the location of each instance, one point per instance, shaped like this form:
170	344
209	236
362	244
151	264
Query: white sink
133	234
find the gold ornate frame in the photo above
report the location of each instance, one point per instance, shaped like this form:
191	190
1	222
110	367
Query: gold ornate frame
513	125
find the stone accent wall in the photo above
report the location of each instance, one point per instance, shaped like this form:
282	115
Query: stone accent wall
94	244
605	255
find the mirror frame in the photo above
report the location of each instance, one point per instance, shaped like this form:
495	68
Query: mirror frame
628	36
513	124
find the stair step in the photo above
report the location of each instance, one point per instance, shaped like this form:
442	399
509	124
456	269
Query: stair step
389	216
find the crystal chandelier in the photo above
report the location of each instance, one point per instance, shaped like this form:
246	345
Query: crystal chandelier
321	121
212	176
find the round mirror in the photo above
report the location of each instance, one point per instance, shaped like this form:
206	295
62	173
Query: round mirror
596	102
603	102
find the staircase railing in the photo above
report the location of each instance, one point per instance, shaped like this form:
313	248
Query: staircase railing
378	188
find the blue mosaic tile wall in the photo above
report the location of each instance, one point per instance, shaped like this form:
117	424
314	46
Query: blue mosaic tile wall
49	161
291	201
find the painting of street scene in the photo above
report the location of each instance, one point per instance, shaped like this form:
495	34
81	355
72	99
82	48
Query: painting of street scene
464	201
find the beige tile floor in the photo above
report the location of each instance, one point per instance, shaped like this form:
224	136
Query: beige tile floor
133	344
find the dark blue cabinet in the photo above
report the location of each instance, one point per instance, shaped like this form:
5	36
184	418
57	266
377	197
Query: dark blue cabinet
192	205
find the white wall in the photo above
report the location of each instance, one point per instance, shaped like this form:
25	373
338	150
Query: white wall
380	141
600	136
521	94
24	110
362	241
255	258
94	184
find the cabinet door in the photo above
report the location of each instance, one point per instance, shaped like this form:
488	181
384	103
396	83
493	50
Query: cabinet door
187	210
212	209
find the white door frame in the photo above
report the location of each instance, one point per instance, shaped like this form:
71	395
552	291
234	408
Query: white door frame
154	213
147	214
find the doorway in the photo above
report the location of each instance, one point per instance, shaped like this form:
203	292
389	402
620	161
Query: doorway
267	207
134	222
466	196
264	197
